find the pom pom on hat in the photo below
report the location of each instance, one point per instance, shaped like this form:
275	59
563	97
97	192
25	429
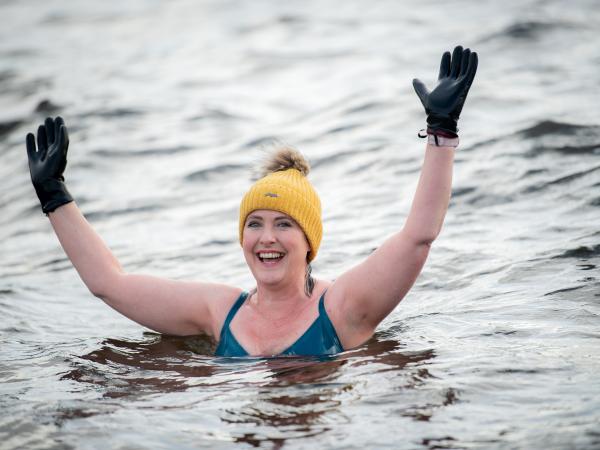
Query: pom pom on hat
285	158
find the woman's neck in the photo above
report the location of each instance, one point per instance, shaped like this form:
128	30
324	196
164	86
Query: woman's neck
279	300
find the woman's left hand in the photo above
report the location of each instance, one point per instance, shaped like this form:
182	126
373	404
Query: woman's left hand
444	103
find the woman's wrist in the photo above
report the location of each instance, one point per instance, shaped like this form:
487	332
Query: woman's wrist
440	138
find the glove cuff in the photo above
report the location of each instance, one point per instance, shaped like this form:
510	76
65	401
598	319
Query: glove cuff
438	124
52	194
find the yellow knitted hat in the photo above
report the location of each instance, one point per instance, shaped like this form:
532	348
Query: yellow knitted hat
285	188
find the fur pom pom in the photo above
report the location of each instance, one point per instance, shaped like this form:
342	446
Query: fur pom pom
283	158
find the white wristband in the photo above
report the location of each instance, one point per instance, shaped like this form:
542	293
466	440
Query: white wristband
441	141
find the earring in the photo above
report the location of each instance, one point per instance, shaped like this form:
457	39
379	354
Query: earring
309	281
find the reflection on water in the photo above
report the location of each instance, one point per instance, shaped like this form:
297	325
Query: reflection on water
299	396
184	359
166	363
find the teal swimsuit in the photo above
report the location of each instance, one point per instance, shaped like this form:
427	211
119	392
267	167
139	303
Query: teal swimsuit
319	339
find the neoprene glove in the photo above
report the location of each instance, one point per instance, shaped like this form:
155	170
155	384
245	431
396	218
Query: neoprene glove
445	102
47	164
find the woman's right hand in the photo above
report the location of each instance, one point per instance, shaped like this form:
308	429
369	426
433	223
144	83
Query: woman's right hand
48	162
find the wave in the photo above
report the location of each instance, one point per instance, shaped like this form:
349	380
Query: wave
204	174
550	127
47	107
561	180
582	252
560	137
529	30
7	126
565	149
145	152
112	112
128	211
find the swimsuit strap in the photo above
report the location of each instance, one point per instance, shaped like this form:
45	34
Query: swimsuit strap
322	304
234	309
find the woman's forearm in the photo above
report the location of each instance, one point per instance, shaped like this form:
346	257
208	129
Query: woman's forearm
432	196
90	256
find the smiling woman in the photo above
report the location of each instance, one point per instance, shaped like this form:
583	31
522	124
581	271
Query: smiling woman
280	230
272	240
280	233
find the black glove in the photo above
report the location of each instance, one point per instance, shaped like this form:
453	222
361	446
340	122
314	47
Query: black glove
47	164
444	104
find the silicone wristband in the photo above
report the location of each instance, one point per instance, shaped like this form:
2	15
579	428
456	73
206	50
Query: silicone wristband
441	141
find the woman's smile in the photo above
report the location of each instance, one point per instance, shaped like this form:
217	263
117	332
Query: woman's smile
270	258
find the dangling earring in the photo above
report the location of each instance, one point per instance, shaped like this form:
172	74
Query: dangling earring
309	281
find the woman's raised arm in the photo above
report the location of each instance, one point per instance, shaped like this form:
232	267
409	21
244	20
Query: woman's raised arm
367	293
167	306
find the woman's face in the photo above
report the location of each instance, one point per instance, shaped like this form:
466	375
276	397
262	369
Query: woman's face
275	246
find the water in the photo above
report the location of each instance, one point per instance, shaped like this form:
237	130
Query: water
168	105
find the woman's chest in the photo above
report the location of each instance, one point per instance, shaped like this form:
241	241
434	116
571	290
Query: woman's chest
260	335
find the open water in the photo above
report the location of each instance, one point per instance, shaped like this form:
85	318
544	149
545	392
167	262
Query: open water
168	105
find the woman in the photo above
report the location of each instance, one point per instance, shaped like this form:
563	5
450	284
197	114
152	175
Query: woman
280	229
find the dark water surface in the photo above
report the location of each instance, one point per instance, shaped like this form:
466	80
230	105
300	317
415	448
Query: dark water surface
169	103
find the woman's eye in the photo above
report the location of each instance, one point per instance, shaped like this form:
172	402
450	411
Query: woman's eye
285	224
252	224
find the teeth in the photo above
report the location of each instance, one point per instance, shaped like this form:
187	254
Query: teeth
270	255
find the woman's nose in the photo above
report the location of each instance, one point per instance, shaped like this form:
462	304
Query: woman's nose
267	236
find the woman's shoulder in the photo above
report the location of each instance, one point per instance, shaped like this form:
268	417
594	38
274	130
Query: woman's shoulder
211	302
337	309
223	297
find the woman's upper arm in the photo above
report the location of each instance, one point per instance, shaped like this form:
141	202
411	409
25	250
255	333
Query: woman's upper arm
170	306
364	295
